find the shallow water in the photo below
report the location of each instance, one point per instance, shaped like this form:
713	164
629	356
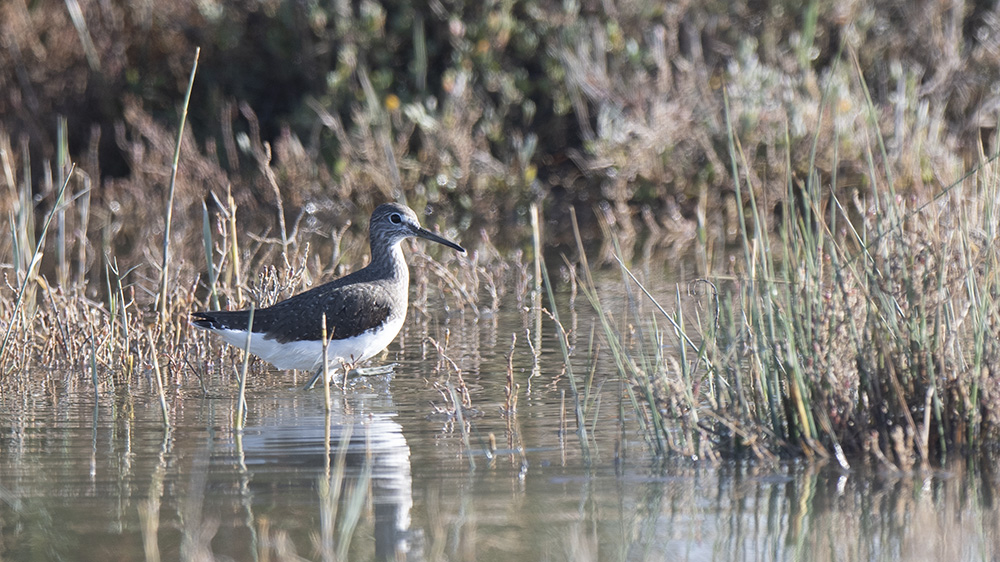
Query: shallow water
390	474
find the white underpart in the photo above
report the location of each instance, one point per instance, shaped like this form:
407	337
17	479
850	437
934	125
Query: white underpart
308	355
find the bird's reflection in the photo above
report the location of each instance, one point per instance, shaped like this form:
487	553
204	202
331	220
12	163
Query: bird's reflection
354	450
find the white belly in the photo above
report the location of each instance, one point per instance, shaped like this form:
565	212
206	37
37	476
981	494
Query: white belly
308	355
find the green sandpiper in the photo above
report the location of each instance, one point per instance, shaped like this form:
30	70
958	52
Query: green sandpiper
364	310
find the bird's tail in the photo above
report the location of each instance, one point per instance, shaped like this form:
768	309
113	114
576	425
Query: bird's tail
220	320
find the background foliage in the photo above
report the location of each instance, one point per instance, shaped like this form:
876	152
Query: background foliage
482	107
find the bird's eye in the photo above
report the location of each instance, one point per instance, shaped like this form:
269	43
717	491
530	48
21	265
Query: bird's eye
395	218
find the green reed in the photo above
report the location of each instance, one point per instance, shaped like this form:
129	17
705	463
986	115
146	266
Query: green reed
861	345
561	336
862	328
647	370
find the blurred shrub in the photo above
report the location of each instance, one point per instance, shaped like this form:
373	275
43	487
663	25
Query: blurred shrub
489	105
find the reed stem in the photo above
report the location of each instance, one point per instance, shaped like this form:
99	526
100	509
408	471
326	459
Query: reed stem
241	403
168	219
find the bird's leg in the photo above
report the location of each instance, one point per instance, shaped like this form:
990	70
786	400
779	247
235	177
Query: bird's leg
312	382
351	371
316	377
346	368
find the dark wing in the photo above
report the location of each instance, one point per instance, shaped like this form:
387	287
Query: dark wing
350	310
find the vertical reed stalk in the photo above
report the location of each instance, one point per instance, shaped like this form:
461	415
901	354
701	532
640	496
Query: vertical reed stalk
326	368
159	378
241	403
93	367
536	241
206	235
234	248
168	218
81	244
62	157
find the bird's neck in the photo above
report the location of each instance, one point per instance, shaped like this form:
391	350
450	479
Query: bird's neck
390	262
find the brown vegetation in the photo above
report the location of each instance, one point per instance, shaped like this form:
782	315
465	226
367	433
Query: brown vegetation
817	139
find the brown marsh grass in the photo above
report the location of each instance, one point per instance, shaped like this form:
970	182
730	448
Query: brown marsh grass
856	316
854	327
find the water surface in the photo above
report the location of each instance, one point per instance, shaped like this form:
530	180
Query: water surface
392	473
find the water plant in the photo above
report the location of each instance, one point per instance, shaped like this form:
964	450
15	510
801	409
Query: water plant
855	328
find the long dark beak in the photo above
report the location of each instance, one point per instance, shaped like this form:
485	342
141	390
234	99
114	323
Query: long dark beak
424	233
